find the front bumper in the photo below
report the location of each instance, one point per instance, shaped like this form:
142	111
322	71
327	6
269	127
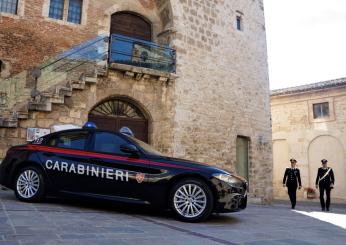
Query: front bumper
229	198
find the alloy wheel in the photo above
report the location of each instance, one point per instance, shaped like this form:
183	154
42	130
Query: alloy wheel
28	184
190	200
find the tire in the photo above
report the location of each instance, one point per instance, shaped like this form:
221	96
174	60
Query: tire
191	200
29	184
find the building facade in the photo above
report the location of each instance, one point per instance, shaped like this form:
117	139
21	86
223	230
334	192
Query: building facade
188	76
309	124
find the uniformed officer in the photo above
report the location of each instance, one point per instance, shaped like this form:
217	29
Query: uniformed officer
291	180
325	181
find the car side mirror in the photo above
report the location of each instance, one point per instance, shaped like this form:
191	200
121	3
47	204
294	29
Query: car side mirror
128	148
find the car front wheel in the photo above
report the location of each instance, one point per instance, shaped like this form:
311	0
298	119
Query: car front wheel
192	200
30	184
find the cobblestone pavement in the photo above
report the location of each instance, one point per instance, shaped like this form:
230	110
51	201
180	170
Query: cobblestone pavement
70	222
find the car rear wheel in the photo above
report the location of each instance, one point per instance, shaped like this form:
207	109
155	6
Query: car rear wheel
192	200
29	184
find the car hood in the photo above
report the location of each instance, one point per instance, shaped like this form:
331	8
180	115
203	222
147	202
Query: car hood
188	163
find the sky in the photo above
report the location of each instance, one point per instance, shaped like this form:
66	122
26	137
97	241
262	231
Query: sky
306	41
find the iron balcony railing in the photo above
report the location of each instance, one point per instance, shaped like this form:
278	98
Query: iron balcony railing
136	52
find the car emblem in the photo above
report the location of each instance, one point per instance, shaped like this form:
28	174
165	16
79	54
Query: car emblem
140	177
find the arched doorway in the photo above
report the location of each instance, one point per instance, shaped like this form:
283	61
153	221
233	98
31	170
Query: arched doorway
328	147
116	113
132	25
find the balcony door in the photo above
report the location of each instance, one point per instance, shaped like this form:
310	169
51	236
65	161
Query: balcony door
117	113
131	25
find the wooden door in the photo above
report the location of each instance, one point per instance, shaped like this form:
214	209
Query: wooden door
116	113
131	25
242	165
138	126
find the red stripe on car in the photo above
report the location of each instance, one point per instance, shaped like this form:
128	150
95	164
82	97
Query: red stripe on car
99	155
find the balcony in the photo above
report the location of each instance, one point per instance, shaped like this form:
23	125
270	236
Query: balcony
135	52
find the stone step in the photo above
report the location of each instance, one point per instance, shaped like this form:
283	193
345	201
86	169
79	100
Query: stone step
56	100
40	106
8	122
23	115
64	91
79	85
57	96
90	79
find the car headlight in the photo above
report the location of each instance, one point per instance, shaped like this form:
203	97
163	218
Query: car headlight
229	179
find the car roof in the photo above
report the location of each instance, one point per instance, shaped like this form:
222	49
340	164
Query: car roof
81	130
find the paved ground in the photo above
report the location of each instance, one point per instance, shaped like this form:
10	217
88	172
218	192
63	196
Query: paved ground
69	222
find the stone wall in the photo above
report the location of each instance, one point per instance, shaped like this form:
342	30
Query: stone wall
222	90
152	96
297	135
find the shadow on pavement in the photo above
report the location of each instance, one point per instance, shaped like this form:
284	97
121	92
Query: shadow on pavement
90	205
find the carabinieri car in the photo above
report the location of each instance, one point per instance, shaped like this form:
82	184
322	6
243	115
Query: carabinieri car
107	165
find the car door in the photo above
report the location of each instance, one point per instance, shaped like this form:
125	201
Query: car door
125	173
63	156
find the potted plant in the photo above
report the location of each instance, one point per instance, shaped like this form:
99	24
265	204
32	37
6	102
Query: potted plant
310	193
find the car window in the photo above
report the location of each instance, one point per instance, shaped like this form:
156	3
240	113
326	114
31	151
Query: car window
72	140
108	143
148	149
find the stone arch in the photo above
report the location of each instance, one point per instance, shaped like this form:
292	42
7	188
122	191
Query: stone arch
156	14
328	147
115	112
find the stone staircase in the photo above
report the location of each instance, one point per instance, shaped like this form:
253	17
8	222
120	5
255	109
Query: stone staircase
58	80
45	100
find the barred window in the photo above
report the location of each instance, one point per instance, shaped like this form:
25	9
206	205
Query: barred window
9	6
56	9
75	11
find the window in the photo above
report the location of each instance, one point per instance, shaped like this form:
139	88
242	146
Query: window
75	11
239	23
9	6
108	143
321	110
1	66
56	9
72	140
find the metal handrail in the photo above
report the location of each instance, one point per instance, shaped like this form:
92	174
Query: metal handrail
103	38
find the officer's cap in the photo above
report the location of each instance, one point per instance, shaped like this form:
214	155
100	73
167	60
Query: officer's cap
324	160
292	160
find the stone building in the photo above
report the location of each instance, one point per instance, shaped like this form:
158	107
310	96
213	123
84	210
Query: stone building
309	124
188	76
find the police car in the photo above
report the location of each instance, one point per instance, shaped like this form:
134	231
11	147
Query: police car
101	164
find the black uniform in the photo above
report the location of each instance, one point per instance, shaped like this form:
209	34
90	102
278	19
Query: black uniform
292	175
324	185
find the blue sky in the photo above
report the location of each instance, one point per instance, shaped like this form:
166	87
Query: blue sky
306	41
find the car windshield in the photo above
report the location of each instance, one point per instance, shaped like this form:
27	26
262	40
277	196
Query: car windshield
145	147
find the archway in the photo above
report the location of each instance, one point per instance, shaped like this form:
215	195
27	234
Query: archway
115	113
132	25
328	147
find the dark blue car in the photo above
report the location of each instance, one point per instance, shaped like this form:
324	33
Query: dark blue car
107	165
